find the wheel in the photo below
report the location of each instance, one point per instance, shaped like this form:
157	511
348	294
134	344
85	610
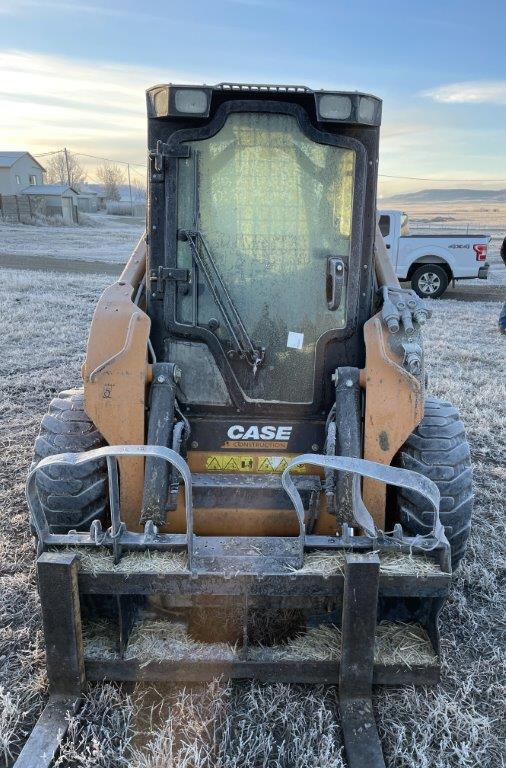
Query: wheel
429	281
439	450
71	496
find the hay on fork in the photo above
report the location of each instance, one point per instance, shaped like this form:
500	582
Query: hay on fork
159	640
101	559
327	562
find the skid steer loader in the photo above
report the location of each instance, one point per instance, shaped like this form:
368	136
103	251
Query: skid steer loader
253	459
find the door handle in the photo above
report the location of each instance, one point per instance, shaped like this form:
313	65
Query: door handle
388	245
334	282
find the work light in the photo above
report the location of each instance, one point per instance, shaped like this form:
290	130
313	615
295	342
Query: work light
179	100
367	109
192	101
334	106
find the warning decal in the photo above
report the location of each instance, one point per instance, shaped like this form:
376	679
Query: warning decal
224	462
276	464
271	463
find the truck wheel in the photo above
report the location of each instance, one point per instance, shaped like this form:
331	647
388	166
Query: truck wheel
429	281
71	496
439	450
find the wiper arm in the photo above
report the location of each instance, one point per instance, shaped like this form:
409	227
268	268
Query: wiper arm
240	337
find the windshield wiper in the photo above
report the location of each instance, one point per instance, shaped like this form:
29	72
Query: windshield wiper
241	340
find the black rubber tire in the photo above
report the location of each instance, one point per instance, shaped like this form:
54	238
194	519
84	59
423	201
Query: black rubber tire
428	269
439	450
71	496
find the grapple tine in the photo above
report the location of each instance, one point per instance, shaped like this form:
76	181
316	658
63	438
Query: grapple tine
360	601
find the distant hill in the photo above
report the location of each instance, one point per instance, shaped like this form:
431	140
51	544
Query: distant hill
448	196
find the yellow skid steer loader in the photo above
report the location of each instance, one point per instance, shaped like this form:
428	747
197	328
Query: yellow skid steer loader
253	454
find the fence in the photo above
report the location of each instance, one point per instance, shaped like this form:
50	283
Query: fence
17	207
459	227
123	208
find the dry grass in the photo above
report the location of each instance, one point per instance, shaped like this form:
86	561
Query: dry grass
458	724
414	565
328	562
158	640
405	644
96	560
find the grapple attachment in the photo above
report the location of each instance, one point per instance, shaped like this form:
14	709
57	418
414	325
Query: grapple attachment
362	591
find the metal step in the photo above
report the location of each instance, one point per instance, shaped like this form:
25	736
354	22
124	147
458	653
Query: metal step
244	490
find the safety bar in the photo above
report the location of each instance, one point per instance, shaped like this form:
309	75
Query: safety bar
401	478
119	535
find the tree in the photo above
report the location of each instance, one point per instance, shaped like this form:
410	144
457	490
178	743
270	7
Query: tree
112	177
65	171
138	190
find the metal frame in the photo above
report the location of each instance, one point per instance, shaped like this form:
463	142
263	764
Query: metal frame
356	257
285	550
269	573
68	670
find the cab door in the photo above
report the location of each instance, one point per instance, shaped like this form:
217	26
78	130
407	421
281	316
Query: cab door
385	224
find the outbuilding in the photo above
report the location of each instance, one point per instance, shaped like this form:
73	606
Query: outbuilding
87	202
55	200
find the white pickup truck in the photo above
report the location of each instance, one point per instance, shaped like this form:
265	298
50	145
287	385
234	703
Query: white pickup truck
430	262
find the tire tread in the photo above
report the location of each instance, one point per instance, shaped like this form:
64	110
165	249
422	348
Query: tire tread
439	450
71	496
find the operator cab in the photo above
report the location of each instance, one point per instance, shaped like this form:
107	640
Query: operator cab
260	237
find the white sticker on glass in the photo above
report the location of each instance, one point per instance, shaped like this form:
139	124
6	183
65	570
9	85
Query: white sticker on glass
295	340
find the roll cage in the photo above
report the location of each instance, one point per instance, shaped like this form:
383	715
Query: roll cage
334	347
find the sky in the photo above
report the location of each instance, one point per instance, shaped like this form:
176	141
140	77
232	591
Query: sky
74	73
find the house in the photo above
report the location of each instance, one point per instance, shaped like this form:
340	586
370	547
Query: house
17	171
54	200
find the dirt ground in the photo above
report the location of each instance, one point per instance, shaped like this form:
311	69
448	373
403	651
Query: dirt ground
45	318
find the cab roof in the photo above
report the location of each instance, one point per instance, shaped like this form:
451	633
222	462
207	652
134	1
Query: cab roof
173	100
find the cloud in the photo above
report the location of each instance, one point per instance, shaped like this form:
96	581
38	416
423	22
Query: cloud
16	7
471	92
47	102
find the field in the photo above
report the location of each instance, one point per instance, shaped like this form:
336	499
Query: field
45	317
100	238
463	217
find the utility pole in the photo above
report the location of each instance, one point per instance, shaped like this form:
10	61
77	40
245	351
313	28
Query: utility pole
130	189
67	164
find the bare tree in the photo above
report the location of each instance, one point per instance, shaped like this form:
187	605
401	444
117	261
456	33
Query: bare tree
111	176
65	170
138	190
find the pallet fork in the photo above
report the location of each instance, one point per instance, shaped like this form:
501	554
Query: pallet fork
258	568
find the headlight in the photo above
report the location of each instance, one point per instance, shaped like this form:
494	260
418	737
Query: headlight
334	107
178	100
191	101
355	108
367	110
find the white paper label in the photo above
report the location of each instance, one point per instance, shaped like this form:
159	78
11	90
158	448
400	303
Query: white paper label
295	340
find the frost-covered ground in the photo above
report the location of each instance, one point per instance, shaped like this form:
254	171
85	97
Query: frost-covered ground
101	237
460	724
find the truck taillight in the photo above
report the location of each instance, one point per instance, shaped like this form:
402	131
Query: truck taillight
480	251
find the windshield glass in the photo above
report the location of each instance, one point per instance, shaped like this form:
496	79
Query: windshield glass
269	207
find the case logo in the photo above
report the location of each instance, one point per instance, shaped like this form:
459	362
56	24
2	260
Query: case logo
254	436
238	432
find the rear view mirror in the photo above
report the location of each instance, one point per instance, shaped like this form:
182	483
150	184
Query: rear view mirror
334	282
